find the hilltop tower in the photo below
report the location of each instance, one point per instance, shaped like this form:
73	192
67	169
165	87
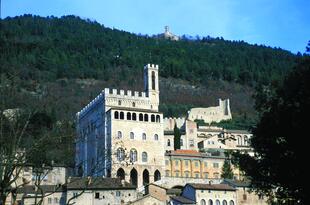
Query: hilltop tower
151	85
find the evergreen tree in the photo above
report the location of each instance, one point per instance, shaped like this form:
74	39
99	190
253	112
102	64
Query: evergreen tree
177	138
227	172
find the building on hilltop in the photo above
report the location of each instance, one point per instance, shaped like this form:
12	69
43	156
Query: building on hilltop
118	131
168	35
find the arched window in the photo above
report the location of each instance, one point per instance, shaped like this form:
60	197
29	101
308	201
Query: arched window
121	115
128	116
210	202
203	202
146	118
119	134
231	202
217	202
116	115
140	117
119	102
156	137
157	118
152	118
153	80
134	116
168	143
120	154
143	136
133	155
157	176
239	140
224	202
132	135
120	173
144	157
181	142
133	104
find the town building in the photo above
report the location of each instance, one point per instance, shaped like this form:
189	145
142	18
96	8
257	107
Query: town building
203	194
99	191
246	196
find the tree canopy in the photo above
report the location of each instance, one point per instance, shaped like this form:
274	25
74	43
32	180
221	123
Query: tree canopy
279	138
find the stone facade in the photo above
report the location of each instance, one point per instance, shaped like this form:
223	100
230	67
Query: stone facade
117	133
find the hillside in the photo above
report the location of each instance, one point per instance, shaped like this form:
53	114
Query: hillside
74	59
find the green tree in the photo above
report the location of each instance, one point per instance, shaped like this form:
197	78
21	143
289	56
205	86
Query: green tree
227	172
177	137
279	139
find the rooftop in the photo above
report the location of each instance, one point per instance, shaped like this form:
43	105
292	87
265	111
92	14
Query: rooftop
224	187
182	200
237	183
77	183
31	189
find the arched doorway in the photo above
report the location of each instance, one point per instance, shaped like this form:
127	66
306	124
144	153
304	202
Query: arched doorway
157	176
120	173
146	177
134	177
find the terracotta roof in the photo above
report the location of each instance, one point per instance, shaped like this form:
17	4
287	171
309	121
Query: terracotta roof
225	187
98	183
185	151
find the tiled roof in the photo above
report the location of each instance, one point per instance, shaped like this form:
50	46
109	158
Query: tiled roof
182	200
31	189
238	131
212	186
101	183
237	183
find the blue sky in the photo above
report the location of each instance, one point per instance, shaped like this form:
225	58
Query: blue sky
275	23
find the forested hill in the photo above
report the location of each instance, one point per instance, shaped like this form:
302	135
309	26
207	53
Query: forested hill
70	47
71	60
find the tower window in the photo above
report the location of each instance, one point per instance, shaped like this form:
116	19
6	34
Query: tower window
140	117
119	102
121	115
143	136
132	135
133	104
128	116
156	137
116	115
153	80
146	117
144	157
134	116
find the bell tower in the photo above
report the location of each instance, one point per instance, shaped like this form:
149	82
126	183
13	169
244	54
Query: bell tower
151	85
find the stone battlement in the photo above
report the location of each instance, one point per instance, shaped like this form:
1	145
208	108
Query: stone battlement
153	66
108	92
92	103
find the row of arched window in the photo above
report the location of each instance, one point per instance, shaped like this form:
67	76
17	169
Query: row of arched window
132	136
133	155
133	116
217	202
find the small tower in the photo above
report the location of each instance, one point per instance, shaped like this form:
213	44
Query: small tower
151	86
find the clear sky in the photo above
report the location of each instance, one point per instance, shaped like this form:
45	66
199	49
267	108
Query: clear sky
275	23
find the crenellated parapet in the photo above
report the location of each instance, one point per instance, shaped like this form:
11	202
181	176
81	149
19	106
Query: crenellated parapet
91	105
151	66
124	94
